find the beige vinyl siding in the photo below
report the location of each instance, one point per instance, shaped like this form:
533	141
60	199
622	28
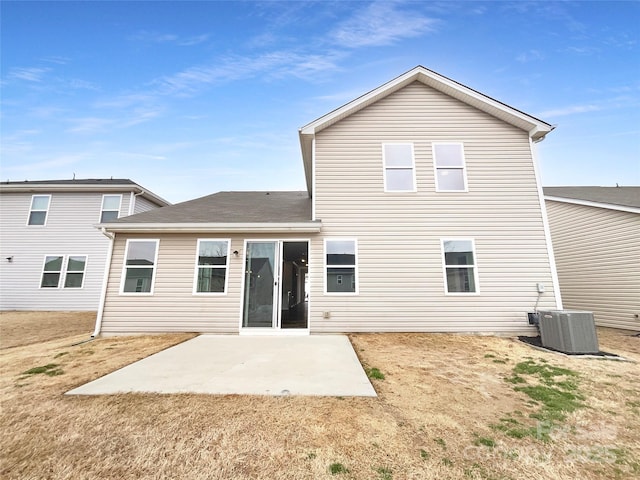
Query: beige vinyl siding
173	307
597	254
69	231
401	280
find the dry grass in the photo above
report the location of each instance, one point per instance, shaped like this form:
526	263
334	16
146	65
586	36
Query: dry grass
440	395
42	326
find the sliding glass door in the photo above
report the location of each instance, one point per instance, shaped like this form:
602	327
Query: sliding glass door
261	270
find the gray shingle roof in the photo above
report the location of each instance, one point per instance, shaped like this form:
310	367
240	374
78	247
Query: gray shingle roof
231	207
623	196
86	181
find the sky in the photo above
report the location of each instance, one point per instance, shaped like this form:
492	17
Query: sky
191	98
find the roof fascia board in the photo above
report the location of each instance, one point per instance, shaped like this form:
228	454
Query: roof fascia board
299	227
97	188
608	206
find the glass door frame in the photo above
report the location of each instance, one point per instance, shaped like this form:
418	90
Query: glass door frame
275	328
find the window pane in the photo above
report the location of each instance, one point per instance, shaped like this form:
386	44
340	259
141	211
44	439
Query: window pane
40	202
399	179
450	178
108	215
50	280
341	280
37	218
76	264
138	280
211	279
212	253
398	155
460	280
341	252
111	202
448	155
73	280
53	264
458	258
141	253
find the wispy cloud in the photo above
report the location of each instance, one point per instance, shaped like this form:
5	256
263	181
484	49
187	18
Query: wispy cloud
570	110
29	74
156	37
89	125
57	59
381	23
530	56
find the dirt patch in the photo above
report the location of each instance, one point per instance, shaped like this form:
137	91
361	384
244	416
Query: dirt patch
24	328
433	418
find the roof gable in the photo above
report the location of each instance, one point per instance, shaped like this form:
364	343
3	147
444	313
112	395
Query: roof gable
536	128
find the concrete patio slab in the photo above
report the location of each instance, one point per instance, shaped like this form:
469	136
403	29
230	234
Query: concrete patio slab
324	365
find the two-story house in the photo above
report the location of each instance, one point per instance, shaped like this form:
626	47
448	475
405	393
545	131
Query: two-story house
52	257
423	212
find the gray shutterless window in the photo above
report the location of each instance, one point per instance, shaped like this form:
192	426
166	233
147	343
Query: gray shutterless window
110	208
341	266
399	167
460	266
450	169
39	209
213	262
140	266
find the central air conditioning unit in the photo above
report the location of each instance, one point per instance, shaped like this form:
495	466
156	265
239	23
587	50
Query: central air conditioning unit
569	331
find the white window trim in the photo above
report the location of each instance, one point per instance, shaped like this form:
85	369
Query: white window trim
42	271
198	266
66	271
463	167
102	209
123	275
474	267
355	267
46	214
385	167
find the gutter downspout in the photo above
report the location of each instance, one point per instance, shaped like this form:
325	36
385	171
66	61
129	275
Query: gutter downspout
132	202
103	294
545	223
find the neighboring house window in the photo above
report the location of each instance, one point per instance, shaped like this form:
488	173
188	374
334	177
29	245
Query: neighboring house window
52	271
460	271
110	208
341	266
399	175
39	209
212	266
140	266
74	276
449	163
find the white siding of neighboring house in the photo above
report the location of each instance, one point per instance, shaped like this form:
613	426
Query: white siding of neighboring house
141	204
598	259
401	284
69	230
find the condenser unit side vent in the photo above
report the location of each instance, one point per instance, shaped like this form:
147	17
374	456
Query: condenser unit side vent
569	331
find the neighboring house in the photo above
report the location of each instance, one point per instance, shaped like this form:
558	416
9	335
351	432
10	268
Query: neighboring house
423	212
52	257
596	238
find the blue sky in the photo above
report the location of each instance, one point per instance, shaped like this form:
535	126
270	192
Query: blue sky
190	98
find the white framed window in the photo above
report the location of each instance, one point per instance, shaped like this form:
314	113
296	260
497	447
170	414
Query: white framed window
341	266
39	210
450	170
459	266
74	274
399	167
52	271
110	209
141	258
62	270
212	266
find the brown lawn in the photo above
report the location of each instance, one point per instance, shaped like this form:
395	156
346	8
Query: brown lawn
23	328
432	419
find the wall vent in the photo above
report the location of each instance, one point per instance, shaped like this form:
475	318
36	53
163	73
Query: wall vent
569	331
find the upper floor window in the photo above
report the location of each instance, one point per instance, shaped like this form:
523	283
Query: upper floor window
448	159
140	266
460	266
399	167
110	208
39	209
341	265
212	266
